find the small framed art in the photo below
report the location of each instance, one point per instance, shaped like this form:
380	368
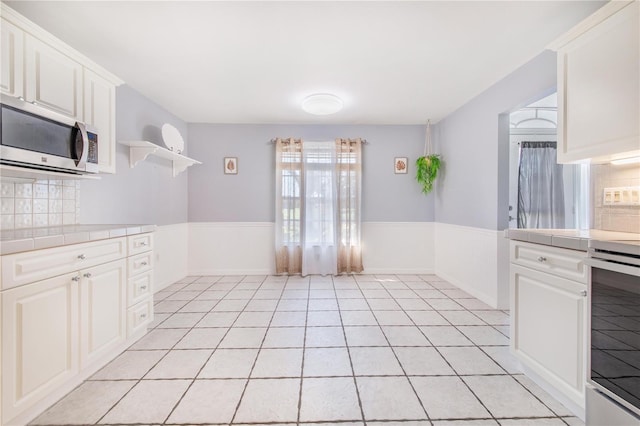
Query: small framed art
400	165
230	165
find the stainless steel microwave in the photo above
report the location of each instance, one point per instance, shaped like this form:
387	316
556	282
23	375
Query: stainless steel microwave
33	137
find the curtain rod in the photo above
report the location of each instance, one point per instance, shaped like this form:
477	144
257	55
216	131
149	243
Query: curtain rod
364	141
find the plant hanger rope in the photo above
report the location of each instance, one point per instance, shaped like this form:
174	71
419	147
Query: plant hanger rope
428	165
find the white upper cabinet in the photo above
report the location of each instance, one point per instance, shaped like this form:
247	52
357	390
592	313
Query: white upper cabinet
44	70
12	62
598	89
53	80
100	112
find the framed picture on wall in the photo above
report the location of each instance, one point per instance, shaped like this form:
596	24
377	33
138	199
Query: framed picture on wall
230	165
400	165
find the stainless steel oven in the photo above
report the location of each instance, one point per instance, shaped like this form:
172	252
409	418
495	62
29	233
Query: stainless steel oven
613	386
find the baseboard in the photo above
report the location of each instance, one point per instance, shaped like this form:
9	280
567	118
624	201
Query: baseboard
395	271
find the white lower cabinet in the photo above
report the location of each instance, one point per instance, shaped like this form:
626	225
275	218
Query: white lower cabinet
40	337
59	330
103	304
548	318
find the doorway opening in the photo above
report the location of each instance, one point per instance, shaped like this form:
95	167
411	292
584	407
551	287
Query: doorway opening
542	193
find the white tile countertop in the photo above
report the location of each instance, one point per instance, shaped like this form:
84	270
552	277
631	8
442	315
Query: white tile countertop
575	239
18	240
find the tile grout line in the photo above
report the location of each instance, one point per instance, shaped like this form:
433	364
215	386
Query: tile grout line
304	345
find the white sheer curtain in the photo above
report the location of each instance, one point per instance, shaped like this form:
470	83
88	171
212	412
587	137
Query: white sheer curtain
319	248
540	187
318	207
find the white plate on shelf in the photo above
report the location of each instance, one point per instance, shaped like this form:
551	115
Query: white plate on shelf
172	138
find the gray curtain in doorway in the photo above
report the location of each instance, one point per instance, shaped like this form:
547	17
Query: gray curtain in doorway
540	187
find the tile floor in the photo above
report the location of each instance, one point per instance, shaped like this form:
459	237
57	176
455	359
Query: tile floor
374	350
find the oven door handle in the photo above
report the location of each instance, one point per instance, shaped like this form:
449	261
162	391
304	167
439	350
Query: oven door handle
611	266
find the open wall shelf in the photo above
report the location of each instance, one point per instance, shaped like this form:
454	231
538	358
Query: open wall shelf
140	150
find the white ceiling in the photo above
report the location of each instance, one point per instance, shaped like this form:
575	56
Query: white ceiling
392	62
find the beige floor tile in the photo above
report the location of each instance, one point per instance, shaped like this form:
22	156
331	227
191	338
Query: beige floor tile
484	335
427	318
295	294
465	423
218	319
229	363
403	294
445	336
349	293
389	398
383	304
374	362
448	398
326	362
269	401
202	338
532	422
292	305
493	317
422	361
414	305
365	336
547	399
353	305
324	337
169	306
405	336
184	364
160	339
243	338
278	363
358	318
199	306
150	401
268	294
209	401
182	320
129	365
502	355
323	305
230	305
492	391
324	291
284	337
86	404
393	318
158	318
470	360
329	399
289	319
444	304
258	305
253	319
323	318
461	318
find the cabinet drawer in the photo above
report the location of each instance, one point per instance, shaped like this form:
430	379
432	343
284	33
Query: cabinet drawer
27	267
140	243
139	288
139	264
557	261
139	316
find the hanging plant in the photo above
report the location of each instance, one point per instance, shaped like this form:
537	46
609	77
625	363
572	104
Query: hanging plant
428	165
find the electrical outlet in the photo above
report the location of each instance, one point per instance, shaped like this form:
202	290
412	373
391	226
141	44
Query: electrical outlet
621	196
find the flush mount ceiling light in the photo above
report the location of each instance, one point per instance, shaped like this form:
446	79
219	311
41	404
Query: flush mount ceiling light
322	104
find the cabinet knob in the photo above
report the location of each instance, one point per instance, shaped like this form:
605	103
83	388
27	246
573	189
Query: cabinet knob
87	275
144	287
76	278
82	257
144	243
143	316
143	263
583	293
542	259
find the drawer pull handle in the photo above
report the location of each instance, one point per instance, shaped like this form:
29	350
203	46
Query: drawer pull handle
144	287
583	293
143	316
144	243
87	275
542	259
143	263
76	278
82	257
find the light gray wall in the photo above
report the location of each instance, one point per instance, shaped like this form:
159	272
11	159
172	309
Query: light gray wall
474	184
147	193
249	195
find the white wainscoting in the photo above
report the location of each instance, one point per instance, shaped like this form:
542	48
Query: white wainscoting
398	247
473	259
231	248
170	249
239	248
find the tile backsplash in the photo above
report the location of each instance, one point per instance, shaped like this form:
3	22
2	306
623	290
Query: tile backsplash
614	218
41	203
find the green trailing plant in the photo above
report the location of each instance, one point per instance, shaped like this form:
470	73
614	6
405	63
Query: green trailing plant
426	171
428	165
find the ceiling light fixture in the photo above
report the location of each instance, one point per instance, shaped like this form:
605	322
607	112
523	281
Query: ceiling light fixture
631	160
322	104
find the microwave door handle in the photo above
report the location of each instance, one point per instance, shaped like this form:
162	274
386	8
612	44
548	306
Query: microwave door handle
82	151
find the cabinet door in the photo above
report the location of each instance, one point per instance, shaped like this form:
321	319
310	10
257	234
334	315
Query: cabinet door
103	309
52	80
100	112
39	341
598	91
548	328
12	59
